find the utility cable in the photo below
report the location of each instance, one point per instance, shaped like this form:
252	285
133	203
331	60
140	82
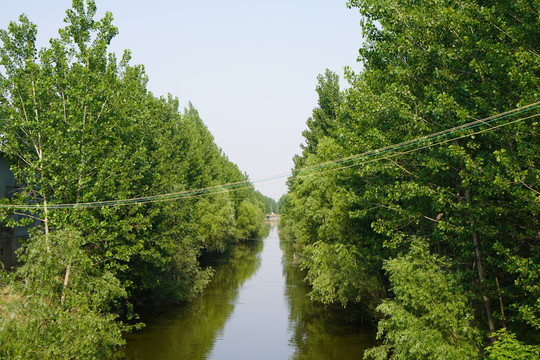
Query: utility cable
306	171
434	136
416	149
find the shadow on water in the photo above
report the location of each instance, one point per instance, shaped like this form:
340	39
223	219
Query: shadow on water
256	307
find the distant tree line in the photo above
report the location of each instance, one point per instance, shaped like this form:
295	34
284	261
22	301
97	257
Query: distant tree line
270	205
440	245
78	125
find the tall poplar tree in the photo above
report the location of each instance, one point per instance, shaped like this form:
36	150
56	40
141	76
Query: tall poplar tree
473	200
79	127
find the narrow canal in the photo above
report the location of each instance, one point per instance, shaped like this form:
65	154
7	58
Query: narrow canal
256	307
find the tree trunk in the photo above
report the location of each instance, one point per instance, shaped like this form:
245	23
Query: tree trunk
501	303
481	275
46	223
66	281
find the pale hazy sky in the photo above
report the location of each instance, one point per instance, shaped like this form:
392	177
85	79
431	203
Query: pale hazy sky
248	66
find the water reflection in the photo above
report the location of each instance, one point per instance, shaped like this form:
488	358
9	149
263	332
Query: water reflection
258	327
189	331
318	332
256	307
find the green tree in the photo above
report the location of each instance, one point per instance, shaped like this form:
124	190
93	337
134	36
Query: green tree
270	205
429	316
78	126
70	129
508	347
250	220
215	221
281	203
324	119
470	60
60	307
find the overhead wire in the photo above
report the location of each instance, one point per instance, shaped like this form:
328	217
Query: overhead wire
433	136
416	149
358	160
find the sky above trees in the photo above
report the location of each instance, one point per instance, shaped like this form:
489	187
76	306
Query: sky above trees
249	67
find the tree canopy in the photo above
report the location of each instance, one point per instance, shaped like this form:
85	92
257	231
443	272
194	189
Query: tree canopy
78	125
471	197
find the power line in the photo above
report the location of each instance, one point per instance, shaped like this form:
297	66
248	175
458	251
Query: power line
434	136
422	139
306	171
418	149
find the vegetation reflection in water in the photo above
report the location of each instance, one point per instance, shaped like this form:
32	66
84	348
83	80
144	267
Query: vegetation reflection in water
321	333
189	331
192	331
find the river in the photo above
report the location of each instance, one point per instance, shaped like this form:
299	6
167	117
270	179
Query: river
256	307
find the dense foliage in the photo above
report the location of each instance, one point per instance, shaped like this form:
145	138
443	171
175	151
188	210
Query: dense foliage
469	206
77	126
